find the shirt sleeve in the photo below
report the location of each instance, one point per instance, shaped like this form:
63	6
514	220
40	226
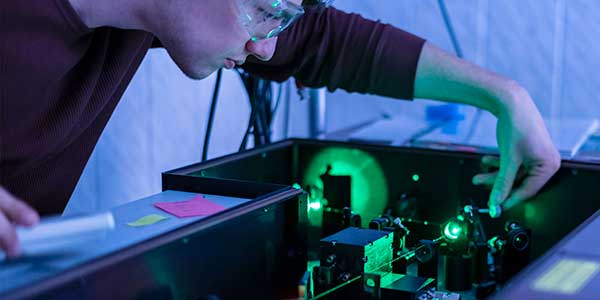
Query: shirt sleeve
331	48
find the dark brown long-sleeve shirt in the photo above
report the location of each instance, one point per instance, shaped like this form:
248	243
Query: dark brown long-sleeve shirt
60	82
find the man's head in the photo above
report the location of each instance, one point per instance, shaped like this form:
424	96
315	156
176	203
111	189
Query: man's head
203	36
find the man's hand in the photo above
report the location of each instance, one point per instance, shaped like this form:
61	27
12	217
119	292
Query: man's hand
526	152
13	212
523	140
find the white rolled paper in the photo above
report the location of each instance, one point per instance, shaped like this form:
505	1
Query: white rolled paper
56	233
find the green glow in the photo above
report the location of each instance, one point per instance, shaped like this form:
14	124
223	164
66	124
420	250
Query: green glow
370	282
452	230
160	270
315	205
495	211
276	3
297	186
492	242
312	264
460	217
369	189
415	177
425	223
530	211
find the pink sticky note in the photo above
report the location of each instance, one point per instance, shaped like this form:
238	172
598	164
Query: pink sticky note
197	206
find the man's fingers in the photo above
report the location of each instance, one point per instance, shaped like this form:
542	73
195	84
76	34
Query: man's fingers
528	189
16	210
530	186
492	161
488	179
485	178
23	214
8	238
504	180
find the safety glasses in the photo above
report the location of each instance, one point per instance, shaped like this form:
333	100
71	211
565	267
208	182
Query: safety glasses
264	19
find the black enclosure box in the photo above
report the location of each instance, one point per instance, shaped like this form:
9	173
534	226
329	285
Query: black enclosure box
267	241
253	250
438	182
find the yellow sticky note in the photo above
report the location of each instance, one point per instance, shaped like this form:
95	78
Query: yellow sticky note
147	220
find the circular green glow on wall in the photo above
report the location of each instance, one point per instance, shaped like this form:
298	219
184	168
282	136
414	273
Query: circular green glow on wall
369	190
416	177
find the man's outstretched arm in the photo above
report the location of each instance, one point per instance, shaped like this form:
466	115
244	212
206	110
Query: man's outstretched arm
522	137
339	50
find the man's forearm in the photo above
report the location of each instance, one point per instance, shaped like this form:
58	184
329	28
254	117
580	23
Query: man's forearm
523	141
442	76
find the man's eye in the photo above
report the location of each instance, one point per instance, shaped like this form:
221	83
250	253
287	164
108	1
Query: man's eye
266	13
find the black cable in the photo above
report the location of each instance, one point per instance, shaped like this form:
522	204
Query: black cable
248	84
274	110
211	115
278	100
264	120
246	81
257	125
260	96
286	124
250	122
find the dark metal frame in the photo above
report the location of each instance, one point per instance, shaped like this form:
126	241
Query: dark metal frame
267	199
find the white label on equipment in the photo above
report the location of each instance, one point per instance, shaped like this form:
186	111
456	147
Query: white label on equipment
567	276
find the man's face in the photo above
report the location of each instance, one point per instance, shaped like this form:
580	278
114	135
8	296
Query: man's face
203	36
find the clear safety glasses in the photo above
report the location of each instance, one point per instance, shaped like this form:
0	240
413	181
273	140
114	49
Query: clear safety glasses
264	19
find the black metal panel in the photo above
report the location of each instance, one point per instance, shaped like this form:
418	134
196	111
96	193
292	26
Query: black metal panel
254	250
218	186
252	165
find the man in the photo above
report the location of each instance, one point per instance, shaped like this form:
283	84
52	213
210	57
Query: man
65	63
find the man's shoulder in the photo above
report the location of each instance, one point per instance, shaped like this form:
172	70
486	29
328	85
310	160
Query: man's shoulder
53	16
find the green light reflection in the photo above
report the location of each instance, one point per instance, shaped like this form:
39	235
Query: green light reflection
452	230
369	189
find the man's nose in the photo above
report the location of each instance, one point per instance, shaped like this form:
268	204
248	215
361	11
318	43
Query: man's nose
263	49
